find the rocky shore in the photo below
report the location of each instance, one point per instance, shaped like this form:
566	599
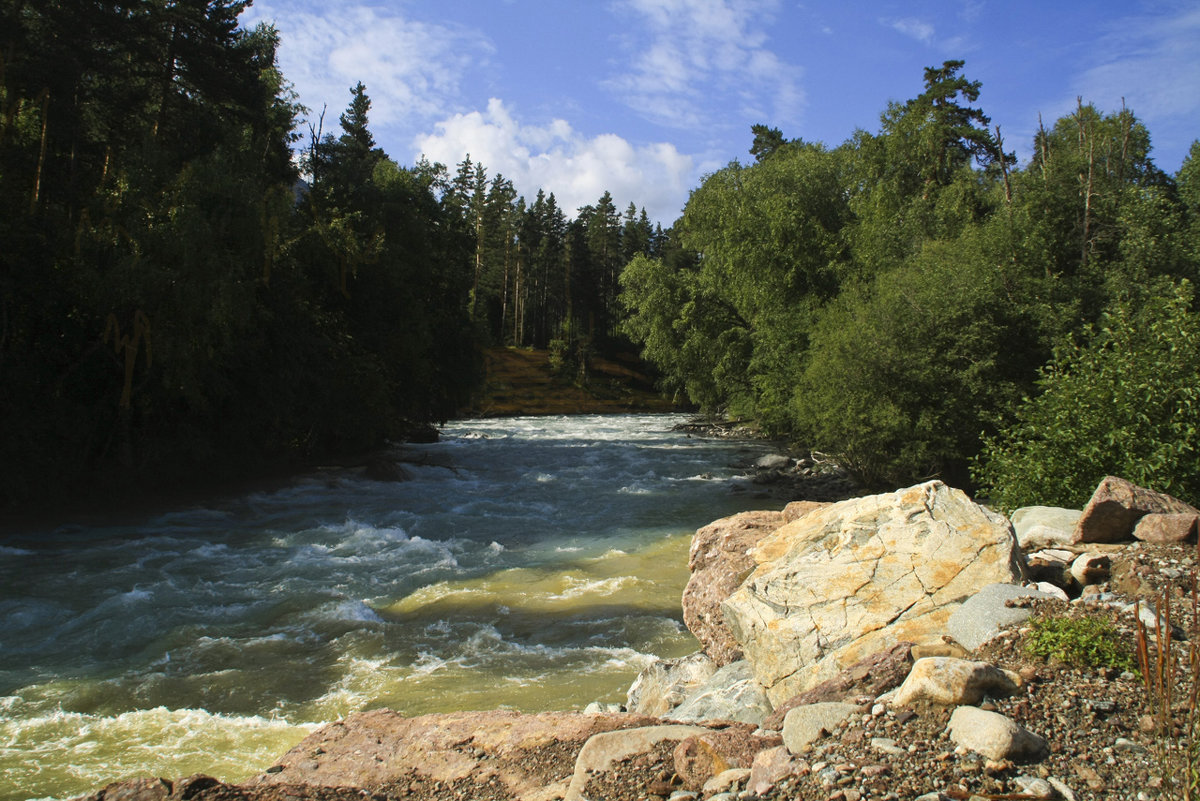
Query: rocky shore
910	645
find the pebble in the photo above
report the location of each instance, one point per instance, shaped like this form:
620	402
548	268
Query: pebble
1032	785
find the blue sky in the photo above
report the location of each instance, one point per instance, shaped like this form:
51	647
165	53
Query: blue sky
644	97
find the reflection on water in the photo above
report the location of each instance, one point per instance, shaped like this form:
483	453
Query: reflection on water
534	563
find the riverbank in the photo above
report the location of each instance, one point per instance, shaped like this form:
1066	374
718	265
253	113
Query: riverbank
1024	698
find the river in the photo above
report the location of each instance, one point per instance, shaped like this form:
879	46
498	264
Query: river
533	563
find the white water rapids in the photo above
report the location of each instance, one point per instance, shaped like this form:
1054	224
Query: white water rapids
531	563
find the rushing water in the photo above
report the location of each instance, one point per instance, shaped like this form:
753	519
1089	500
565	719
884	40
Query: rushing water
532	563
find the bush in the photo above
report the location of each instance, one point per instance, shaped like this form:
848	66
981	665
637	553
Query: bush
1087	642
1124	402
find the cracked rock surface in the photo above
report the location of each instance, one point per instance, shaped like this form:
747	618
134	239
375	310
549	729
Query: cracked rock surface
855	577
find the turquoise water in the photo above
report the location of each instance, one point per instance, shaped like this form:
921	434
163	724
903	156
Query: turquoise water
531	563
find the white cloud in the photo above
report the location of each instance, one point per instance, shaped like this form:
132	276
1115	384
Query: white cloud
412	70
577	169
914	29
694	54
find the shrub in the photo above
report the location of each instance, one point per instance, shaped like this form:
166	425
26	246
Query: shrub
1087	642
1124	402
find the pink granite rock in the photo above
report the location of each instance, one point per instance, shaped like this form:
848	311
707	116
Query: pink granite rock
1115	508
719	561
1167	528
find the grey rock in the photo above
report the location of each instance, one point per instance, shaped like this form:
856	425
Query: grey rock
805	724
1034	786
730	694
1044	526
665	683
773	461
601	751
983	615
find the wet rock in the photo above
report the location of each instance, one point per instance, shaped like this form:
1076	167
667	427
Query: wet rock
846	581
949	682
719	561
1117	505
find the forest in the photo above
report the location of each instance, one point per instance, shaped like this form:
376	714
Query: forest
193	284
917	305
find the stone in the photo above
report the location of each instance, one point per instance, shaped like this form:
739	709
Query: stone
773	461
1052	590
949	682
700	757
798	509
982	616
601	751
807	724
371	749
665	683
858	576
994	736
1117	505
1039	527
726	780
772	765
140	789
886	745
719	560
1034	786
1091	568
730	694
1165	529
871	677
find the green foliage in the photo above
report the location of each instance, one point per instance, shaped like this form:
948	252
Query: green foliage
1124	400
1084	642
901	370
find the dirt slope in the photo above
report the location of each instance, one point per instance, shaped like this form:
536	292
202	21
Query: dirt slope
519	381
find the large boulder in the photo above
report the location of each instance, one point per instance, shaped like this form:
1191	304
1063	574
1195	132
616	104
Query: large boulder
525	755
1044	526
719	560
859	576
1117	505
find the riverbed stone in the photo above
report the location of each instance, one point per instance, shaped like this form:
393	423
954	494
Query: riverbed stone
1116	506
372	749
858	576
702	756
949	682
1165	529
982	616
994	736
602	750
665	683
719	560
731	694
807	724
1040	527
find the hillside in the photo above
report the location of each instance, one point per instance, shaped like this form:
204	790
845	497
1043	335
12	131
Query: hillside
519	381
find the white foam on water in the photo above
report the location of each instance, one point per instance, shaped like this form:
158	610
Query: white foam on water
157	742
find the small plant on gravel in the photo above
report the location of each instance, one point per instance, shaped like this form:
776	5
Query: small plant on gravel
1172	678
1086	642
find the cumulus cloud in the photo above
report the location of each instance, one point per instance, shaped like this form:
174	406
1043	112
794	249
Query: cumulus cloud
412	69
686	54
578	169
